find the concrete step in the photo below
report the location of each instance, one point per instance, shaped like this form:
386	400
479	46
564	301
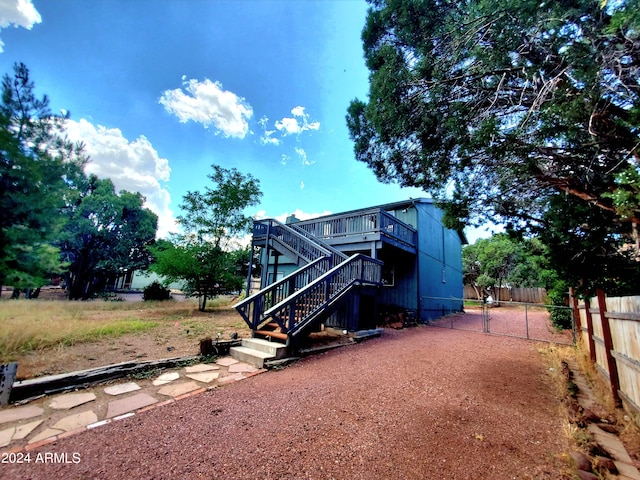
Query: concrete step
272	348
249	355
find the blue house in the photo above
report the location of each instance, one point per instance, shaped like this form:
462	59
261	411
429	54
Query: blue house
347	270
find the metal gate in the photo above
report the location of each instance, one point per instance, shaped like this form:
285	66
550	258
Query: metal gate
512	319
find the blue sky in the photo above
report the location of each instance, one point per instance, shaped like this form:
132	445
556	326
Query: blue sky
160	90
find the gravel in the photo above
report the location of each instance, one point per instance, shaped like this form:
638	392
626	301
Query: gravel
419	403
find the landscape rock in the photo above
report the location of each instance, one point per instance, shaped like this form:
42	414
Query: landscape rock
606	464
608	428
581	461
583	475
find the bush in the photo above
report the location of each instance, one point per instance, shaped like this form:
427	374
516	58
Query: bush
156	291
561	316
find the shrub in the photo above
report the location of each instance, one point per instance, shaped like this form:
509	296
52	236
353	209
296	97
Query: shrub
156	291
561	316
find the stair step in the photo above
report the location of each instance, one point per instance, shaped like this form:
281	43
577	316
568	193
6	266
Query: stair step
249	355
269	333
272	348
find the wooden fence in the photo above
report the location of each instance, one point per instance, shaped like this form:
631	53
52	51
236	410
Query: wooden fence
610	329
524	295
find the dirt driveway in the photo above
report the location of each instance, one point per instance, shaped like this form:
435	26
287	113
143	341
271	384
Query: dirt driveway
421	403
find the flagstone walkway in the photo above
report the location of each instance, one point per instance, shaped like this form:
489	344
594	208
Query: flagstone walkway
52	417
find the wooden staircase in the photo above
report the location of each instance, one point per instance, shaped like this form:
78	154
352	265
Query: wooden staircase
285	311
272	330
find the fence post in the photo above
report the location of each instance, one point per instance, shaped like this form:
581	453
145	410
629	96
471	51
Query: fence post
577	325
592	343
614	379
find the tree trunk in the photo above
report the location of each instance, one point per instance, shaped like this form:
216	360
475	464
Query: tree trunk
478	295
202	302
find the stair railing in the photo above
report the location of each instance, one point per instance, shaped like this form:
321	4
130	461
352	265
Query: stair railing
338	256
297	311
304	246
318	255
253	307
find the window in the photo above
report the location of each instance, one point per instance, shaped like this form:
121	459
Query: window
388	275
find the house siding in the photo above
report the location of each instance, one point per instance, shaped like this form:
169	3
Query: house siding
440	265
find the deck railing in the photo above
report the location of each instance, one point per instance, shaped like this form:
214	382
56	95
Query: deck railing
301	308
360	223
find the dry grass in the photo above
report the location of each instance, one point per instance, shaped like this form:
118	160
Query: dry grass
578	438
36	325
627	422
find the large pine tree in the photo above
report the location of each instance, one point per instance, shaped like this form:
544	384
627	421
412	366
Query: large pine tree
492	105
37	170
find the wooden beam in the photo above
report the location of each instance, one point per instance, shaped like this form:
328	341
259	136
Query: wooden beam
576	309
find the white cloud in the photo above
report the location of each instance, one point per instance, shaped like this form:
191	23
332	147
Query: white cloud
267	137
19	13
297	124
303	156
207	103
134	166
284	159
301	185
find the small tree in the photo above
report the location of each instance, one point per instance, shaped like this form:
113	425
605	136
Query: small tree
201	256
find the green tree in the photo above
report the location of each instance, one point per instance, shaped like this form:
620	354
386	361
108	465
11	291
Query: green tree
586	250
503	259
493	106
202	256
205	269
38	170
105	234
492	260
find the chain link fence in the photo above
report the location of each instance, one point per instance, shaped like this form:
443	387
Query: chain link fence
514	319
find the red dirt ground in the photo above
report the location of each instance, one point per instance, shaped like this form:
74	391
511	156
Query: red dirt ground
419	403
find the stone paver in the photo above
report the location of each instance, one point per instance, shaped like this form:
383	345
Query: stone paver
71	400
76	421
242	368
6	436
20	413
23	430
128	404
177	389
232	378
122	388
49	432
204	377
126	399
201	367
226	361
166	378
